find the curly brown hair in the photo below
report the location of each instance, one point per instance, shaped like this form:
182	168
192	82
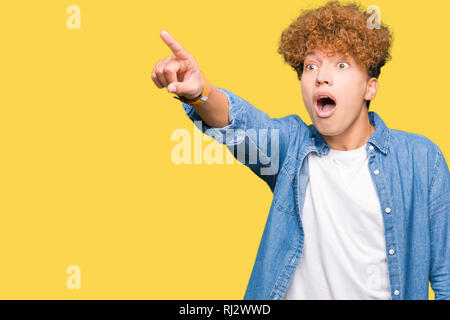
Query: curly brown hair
337	28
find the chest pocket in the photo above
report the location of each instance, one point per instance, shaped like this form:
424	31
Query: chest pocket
284	199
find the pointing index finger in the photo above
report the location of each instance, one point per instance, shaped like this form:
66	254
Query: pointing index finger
176	48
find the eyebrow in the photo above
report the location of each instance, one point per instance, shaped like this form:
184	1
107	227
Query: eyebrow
310	54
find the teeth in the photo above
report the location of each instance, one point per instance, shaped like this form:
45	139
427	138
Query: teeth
323	97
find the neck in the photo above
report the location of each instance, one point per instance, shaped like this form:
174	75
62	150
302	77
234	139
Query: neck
355	136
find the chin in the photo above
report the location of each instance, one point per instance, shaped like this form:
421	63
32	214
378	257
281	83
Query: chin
329	132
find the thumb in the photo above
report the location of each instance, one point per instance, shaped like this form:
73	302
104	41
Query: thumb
180	89
174	87
188	89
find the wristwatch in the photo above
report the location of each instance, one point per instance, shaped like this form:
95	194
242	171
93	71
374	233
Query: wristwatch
202	98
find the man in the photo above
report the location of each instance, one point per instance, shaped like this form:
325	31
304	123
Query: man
360	211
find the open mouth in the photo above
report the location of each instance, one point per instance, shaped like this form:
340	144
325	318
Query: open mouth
325	105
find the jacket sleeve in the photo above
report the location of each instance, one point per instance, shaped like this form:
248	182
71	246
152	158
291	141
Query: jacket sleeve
253	137
440	229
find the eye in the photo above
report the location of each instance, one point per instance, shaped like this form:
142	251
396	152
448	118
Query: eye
343	65
310	67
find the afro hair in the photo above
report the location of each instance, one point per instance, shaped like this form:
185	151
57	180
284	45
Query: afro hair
337	28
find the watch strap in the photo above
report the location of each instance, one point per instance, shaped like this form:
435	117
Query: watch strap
202	98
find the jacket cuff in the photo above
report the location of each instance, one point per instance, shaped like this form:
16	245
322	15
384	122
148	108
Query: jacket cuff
231	134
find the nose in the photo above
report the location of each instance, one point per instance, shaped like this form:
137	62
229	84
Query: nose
323	76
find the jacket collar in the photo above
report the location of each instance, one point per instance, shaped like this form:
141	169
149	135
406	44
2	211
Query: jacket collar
379	138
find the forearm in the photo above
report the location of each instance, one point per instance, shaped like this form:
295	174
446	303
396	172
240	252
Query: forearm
214	112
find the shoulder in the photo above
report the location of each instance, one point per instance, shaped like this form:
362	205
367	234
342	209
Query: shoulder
416	151
415	143
296	123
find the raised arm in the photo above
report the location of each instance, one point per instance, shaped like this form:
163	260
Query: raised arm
181	75
252	136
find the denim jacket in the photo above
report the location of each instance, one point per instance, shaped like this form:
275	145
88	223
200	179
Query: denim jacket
410	174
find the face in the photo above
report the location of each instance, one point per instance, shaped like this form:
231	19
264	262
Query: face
346	83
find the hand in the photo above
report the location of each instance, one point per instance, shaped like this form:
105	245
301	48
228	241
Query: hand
180	73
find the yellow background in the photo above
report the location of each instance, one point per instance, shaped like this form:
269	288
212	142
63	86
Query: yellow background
86	176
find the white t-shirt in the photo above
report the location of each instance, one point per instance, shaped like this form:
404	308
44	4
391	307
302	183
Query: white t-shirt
344	251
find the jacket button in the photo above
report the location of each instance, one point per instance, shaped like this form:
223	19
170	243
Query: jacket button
391	252
376	172
388	210
370	148
396	292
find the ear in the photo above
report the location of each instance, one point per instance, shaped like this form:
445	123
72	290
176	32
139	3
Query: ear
371	90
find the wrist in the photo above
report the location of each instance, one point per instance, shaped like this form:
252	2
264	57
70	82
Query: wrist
199	98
